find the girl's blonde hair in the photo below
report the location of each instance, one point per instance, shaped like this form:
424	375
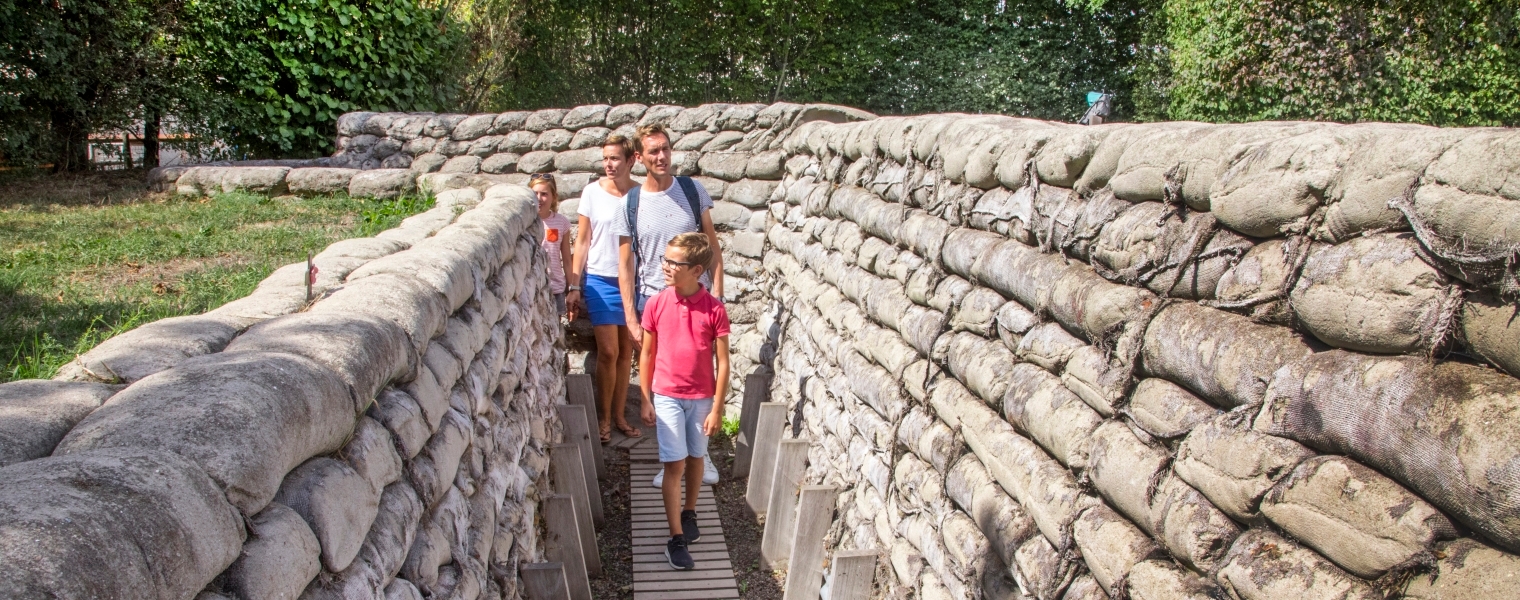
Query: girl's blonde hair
547	179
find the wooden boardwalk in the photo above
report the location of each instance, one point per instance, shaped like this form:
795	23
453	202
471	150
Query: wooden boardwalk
653	579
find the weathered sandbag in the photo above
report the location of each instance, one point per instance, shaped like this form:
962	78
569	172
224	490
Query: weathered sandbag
366	351
1111	546
884	347
1063	158
949	294
1189	526
1171	253
1224	358
372	453
1039	405
1018	271
874	385
1374	294
315	181
1045	488
1099	310
963	247
1048	346
1014	153
1101	380
1492	330
35	414
1363	521
1262	565
1084	587
1105	159
1275	186
1386	160
918	484
246	431
929	438
1165	410
280	557
337	502
1127	470
951	401
977	312
1042	570
959	143
981	363
1162	580
1013	322
1005	524
1190	160
446	271
385	549
1468	570
113	523
420	310
151	348
1440	428
1468	194
1259	284
1234	465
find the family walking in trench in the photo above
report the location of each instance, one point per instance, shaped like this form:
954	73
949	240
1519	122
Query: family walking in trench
647	270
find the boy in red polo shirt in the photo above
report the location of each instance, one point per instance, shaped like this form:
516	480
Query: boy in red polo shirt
685	328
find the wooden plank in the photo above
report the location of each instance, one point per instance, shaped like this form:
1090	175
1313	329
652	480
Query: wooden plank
757	389
815	512
580	427
562	543
661	524
851	574
565	466
703	546
580	390
709	565
768	429
688	595
697	584
545	581
706	555
781	513
670	574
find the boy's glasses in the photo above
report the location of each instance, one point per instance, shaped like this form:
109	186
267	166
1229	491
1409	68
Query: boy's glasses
675	263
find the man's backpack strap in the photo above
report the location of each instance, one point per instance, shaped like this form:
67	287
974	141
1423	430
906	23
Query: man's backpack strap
632	213
689	189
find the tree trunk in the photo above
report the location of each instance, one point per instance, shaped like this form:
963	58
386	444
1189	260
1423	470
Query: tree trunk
126	150
150	139
71	152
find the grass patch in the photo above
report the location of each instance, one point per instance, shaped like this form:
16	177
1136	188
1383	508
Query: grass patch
74	272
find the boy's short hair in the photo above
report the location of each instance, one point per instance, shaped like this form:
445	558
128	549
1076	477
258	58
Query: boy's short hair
645	131
624	144
696	247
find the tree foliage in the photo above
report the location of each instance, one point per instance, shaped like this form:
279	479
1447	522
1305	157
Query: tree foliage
288	68
1033	58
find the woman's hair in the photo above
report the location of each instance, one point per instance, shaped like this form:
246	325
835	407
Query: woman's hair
546	179
696	247
622	142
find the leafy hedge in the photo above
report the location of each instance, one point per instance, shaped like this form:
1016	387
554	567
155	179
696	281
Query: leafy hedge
289	67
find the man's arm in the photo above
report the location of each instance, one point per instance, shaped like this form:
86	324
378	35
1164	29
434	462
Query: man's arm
627	284
714	420
646	377
717	266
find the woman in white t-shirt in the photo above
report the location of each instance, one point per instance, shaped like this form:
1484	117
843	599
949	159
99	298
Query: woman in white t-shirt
594	283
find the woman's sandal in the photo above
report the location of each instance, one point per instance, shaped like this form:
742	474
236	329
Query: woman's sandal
629	430
606	433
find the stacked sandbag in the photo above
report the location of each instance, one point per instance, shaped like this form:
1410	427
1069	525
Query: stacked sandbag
390	436
1078	370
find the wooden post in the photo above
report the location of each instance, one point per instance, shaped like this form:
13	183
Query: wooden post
781	511
576	431
815	512
853	572
587	436
545	581
756	391
562	543
570	480
769	426
580	391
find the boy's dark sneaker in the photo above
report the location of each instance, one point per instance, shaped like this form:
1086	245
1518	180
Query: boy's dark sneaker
689	526
675	552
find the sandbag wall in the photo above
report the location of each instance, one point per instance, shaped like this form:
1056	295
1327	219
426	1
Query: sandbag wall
734	151
385	438
1171	360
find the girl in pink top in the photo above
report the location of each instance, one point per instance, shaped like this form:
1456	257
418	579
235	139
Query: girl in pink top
556	234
